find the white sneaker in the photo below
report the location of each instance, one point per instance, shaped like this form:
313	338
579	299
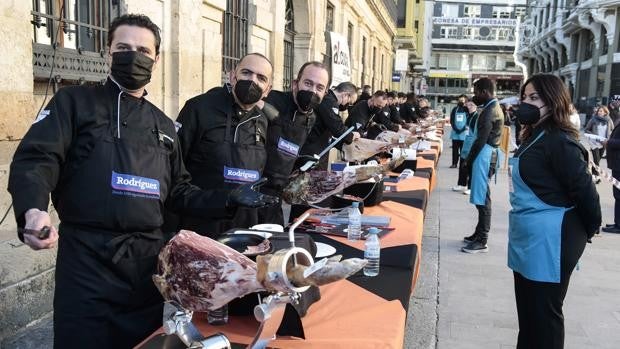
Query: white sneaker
458	188
466	192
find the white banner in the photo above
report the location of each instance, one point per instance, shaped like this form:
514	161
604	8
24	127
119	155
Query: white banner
401	61
476	22
341	62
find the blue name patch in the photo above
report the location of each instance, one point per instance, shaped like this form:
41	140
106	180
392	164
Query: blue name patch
232	174
288	147
126	184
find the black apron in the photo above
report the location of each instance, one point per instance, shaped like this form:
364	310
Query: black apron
286	137
105	296
227	165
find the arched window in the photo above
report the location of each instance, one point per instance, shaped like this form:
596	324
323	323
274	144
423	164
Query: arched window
289	42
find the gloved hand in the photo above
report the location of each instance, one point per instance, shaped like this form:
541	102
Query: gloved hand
248	195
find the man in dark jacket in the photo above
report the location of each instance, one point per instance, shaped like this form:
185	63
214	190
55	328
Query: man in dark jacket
613	163
366	93
371	117
482	161
222	139
289	132
328	122
408	110
394	105
111	160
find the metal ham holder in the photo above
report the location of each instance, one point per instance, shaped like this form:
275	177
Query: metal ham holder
269	312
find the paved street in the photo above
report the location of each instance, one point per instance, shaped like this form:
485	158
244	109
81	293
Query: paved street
467	301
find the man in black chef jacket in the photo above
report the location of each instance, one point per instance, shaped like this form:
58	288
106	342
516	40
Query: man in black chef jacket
288	133
223	136
394	106
328	122
370	117
110	159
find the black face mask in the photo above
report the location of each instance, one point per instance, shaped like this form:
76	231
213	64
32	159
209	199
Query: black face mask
307	100
131	69
248	92
528	114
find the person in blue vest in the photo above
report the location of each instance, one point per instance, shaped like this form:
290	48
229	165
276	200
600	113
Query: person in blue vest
463	183
555	210
482	161
458	120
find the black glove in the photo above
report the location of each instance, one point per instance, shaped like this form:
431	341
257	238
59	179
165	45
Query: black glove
248	195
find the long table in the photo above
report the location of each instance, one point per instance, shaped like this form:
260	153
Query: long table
360	312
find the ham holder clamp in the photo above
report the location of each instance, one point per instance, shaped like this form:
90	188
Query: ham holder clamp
200	274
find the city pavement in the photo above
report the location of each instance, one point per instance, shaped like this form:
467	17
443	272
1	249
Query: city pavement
467	301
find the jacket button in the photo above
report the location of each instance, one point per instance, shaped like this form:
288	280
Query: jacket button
124	123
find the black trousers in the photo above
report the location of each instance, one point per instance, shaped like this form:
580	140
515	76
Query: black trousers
463	179
484	218
616	192
596	158
457	145
539	304
99	303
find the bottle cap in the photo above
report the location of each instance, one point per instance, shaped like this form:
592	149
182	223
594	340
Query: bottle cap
355	204
373	230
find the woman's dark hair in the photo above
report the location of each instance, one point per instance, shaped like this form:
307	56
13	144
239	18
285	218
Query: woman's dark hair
554	94
138	21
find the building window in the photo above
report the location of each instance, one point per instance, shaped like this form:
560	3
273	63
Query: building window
374	61
401	19
589	45
471	11
519	12
329	18
604	41
450	10
363	59
502	11
471	33
350	36
416	25
289	43
504	34
79	29
449	32
235	35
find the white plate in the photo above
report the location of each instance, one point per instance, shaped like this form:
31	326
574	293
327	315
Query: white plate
264	234
324	250
276	228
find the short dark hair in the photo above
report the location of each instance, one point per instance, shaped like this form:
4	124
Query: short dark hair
379	93
391	95
137	20
463	96
367	87
411	97
346	87
485	84
401	95
314	64
261	56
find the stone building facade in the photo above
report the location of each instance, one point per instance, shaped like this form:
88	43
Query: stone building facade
578	41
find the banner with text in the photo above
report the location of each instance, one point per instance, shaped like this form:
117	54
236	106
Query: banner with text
341	62
476	22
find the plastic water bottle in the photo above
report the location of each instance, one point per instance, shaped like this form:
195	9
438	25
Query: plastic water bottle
372	252
354	231
218	316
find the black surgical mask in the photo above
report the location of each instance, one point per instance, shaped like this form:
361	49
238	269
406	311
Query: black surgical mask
248	92
131	69
307	100
528	114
